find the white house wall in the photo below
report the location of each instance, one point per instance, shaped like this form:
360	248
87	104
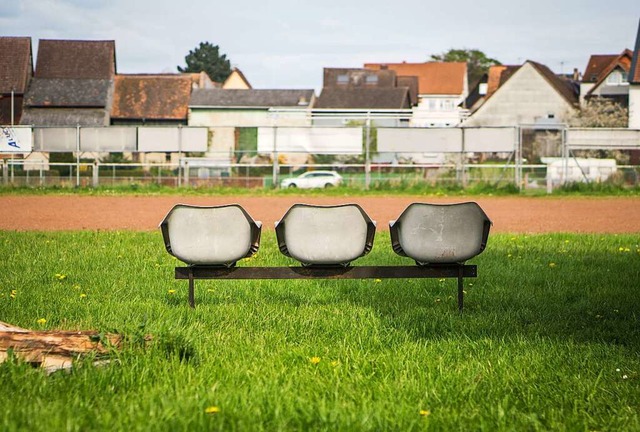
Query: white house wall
523	99
634	106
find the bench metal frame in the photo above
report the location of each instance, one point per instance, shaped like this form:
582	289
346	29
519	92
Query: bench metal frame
459	271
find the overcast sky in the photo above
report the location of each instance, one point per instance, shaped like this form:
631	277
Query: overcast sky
287	43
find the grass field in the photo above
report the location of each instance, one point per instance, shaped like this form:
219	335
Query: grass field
549	340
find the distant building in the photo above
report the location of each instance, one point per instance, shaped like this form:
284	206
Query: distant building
73	84
527	94
607	77
634	86
442	90
16	72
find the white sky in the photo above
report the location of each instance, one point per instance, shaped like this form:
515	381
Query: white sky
287	43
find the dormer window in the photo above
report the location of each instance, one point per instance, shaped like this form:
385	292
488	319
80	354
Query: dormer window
617	77
371	80
343	79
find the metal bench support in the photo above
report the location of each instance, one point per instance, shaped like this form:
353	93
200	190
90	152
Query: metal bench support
459	271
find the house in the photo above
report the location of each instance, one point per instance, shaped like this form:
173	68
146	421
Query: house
151	99
606	77
72	85
634	86
234	115
356	93
16	71
528	94
442	90
236	81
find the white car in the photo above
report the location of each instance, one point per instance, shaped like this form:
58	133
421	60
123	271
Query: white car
313	179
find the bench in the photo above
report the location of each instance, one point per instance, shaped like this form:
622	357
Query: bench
440	238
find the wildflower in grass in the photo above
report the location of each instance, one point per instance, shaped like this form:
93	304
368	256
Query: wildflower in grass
441	280
378	280
552	265
425	413
83	295
617	369
625	376
172	291
61	276
41	321
314	360
335	363
13	294
438	300
212	410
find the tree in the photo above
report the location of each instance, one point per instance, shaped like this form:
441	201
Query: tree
477	62
206	57
600	112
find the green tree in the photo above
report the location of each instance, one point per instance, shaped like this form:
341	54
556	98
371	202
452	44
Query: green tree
477	62
206	57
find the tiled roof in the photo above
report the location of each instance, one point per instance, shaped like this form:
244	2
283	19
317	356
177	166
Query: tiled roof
623	61
65	117
565	87
634	72
151	97
597	64
76	59
68	93
364	98
251	98
433	77
497	76
16	66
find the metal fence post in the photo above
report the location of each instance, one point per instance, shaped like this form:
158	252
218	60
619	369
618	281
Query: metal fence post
276	163
5	172
367	153
78	156
95	179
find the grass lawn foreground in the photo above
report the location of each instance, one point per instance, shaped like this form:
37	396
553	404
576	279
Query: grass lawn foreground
549	340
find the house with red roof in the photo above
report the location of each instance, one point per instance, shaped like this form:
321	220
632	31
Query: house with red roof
442	90
634	86
16	72
527	94
72	85
148	99
606	76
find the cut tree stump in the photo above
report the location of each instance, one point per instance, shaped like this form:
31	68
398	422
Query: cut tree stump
54	350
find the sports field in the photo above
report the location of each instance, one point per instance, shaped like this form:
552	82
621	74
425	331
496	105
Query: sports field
549	339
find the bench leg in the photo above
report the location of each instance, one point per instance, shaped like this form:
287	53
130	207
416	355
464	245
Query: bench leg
192	297
460	290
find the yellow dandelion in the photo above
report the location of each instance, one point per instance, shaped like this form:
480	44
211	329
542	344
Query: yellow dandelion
172	291
425	413
552	265
212	410
61	276
41	321
83	295
314	360
378	280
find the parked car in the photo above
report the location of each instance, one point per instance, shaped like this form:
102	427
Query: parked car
313	179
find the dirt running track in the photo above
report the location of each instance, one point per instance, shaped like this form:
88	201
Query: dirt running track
509	214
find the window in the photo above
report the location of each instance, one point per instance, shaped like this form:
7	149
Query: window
343	79
371	80
617	77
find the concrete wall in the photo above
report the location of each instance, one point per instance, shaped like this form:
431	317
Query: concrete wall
523	99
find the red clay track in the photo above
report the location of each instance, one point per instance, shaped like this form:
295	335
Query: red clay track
509	214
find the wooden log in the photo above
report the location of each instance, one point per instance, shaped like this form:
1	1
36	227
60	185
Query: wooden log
53	350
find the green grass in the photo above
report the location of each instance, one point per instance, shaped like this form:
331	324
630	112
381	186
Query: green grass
549	340
379	188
